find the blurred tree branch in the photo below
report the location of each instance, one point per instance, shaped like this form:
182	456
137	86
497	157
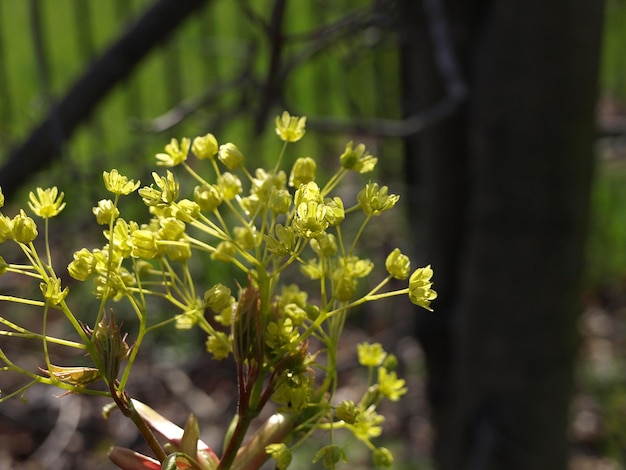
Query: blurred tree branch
110	69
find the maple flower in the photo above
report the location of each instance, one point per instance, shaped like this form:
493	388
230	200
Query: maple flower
175	153
47	203
204	147
290	128
118	184
398	264
420	291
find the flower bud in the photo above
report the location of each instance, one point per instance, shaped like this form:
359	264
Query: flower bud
230	156
83	265
4	266
251	204
185	210
224	251
347	411
208	197
324	245
171	229
245	237
229	185
144	244
281	454
218	297
6	228
111	346
330	455
344	286
398	264
303	171
178	251
295	313
382	457
280	201
204	147
1	198
105	212
24	228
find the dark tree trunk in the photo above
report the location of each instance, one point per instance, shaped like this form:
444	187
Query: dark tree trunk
114	66
505	185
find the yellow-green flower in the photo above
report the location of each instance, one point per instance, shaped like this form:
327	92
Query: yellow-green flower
335	212
310	219
325	245
390	385
218	297
374	200
245	237
171	228
330	455
24	228
105	212
47	203
347	411
398	264
166	194
357	159
185	210
371	355
303	171
119	184
420	287
280	201
290	128
51	290
224	251
1	198
382	457
83	265
230	156
207	196
6	228
144	244
219	345
368	424
308	192
175	153
230	185
281	454
204	147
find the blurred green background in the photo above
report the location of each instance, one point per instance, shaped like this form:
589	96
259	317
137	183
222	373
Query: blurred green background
345	72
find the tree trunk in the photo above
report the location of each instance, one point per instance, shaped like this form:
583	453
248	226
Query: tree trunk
505	183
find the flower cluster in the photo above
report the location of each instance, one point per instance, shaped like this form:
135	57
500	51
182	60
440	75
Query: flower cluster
265	224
